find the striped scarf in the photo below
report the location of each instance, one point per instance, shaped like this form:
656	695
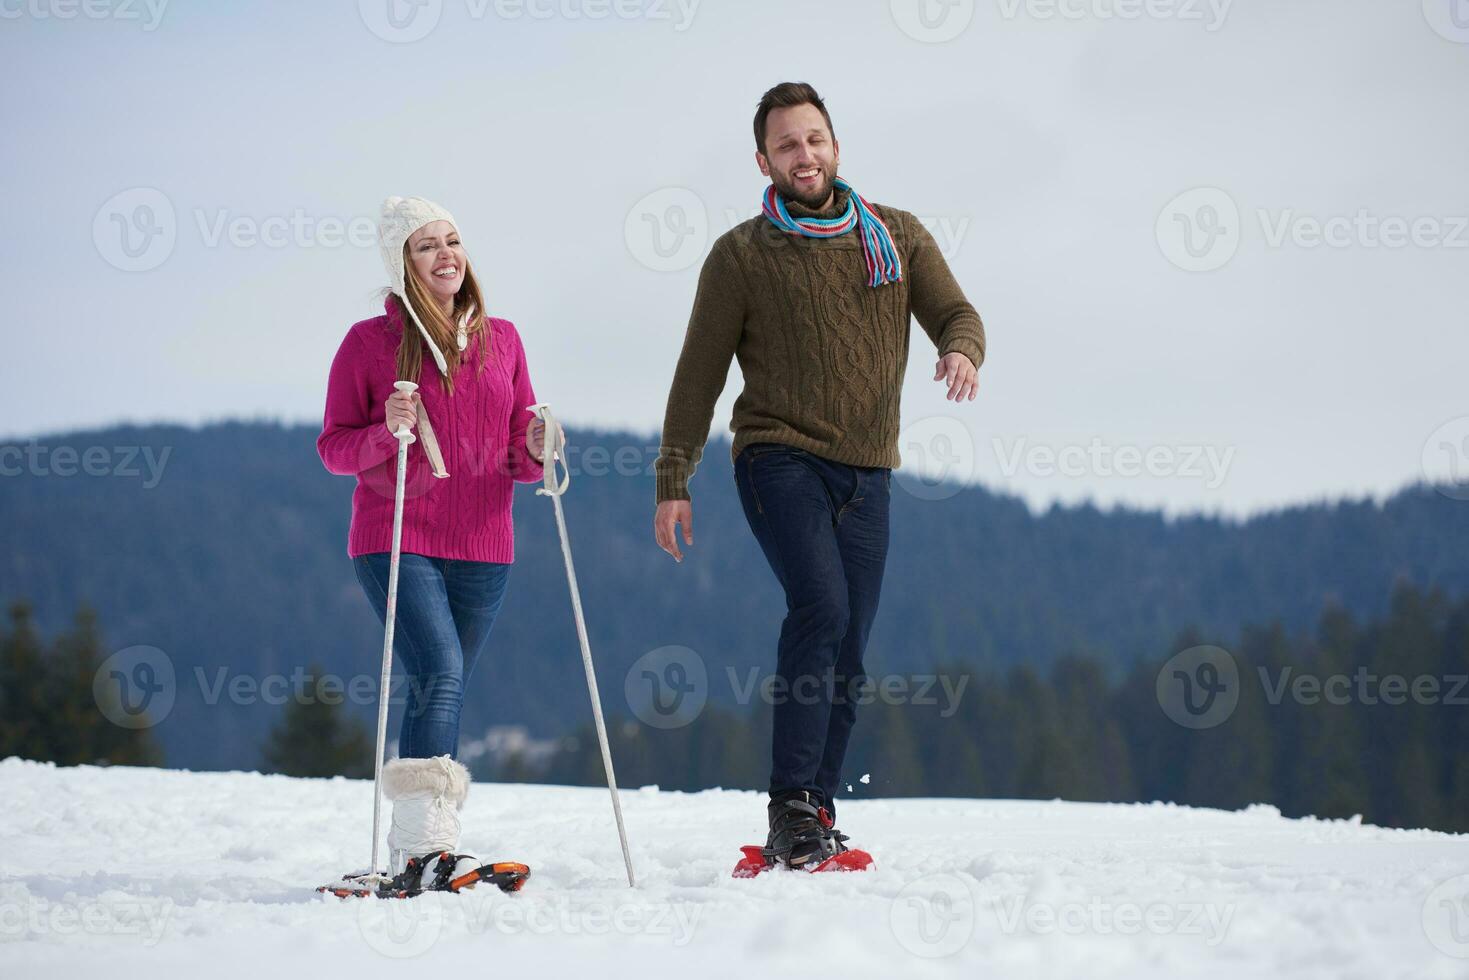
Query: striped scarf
883	264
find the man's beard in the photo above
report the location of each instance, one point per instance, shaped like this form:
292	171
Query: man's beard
813	198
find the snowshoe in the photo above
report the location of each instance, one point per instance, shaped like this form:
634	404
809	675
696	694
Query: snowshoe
803	838
433	872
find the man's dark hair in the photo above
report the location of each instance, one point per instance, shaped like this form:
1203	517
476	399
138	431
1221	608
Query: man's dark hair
783	96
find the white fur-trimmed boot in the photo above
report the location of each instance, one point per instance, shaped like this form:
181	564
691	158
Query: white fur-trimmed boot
427	796
423	838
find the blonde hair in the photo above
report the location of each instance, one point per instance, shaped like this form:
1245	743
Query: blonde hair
468	302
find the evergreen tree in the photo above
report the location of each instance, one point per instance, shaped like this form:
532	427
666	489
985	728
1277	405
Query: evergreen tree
24	722
316	737
48	706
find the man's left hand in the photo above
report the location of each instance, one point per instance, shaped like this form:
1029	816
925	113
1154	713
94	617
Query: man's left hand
959	373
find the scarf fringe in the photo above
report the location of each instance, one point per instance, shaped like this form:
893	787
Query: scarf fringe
883	264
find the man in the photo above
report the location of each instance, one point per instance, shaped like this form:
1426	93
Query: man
814	297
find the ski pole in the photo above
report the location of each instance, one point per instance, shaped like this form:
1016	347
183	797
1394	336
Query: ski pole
405	438
551	448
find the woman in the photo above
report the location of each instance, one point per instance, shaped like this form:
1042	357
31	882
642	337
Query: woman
458	538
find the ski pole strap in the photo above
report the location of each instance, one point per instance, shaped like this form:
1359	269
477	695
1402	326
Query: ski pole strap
552	446
430	444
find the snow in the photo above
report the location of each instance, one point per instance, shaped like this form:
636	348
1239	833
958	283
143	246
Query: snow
162	873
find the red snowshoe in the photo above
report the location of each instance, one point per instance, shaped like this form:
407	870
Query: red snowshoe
803	838
756	861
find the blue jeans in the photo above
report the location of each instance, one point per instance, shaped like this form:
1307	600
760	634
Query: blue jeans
446	609
823	527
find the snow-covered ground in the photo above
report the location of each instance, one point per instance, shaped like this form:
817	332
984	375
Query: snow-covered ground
156	873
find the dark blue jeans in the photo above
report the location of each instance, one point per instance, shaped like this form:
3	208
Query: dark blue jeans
824	529
446	609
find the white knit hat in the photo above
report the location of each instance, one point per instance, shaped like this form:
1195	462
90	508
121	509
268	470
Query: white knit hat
402	216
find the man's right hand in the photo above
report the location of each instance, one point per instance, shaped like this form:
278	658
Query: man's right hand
672	513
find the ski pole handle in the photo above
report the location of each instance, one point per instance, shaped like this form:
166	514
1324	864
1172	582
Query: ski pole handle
404	433
551	450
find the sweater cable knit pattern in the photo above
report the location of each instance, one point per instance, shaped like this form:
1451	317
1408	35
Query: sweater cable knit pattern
822	353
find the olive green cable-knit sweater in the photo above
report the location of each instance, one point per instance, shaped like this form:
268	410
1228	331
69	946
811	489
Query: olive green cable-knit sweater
821	351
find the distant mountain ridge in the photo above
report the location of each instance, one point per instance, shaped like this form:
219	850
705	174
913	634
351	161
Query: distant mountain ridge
224	546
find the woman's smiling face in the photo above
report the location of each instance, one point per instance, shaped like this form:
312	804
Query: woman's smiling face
438	260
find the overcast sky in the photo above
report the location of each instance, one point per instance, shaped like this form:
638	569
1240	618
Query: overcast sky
1133	193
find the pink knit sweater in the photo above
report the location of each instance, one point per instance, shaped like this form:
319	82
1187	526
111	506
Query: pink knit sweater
480	429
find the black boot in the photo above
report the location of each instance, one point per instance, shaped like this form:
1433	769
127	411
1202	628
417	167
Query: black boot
801	832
